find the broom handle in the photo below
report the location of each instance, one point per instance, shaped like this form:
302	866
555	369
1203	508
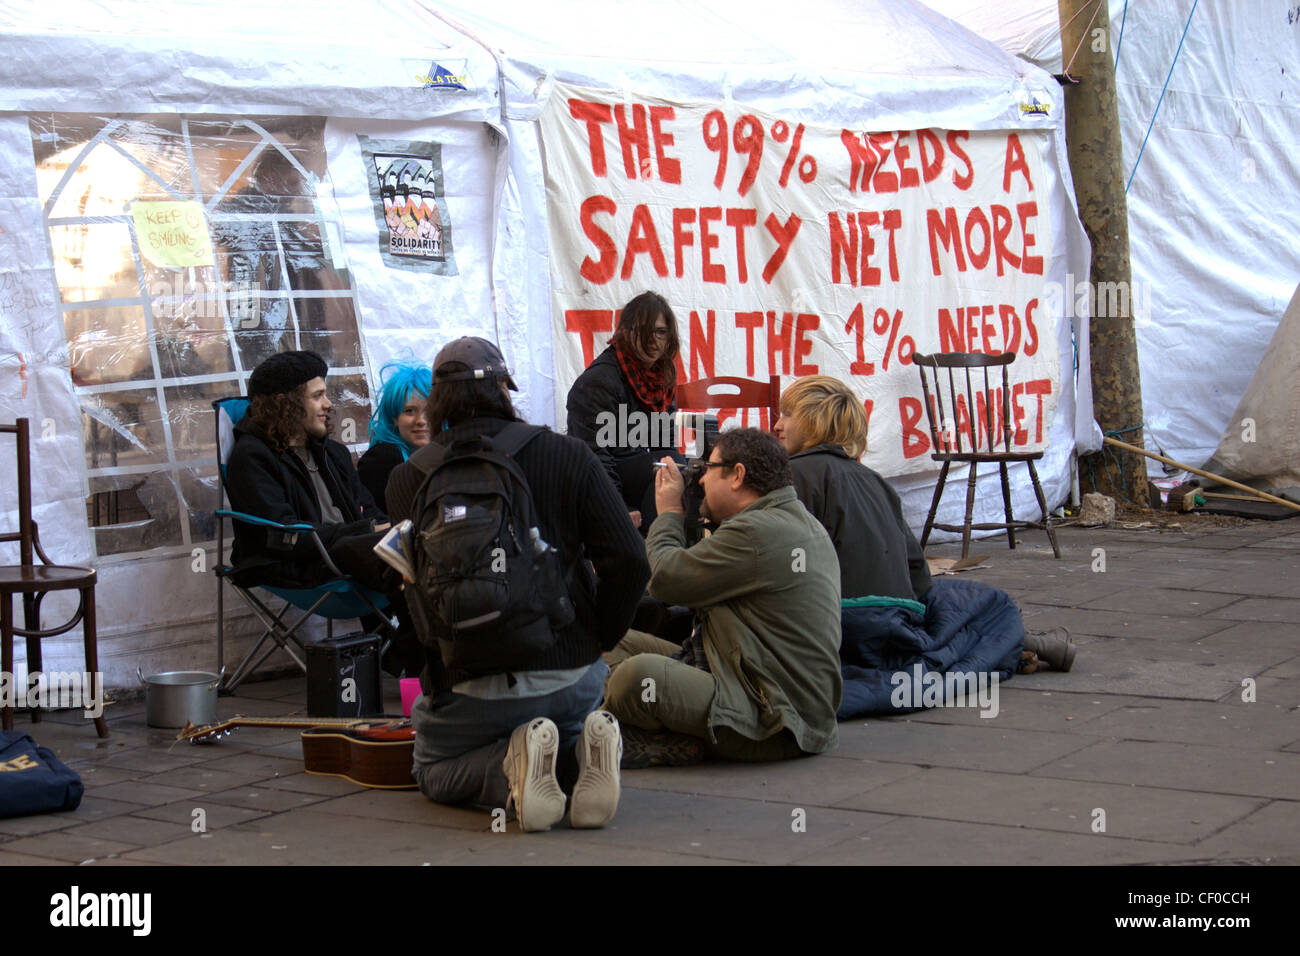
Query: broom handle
1204	474
1220	494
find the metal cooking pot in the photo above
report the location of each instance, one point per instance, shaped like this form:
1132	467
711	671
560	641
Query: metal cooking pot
174	698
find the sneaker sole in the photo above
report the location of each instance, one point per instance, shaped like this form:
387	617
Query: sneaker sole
596	794
539	801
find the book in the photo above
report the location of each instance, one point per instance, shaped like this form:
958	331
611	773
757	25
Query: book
394	548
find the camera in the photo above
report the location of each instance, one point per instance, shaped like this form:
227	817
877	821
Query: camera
693	497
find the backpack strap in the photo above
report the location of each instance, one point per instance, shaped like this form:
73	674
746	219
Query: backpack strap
512	439
509	441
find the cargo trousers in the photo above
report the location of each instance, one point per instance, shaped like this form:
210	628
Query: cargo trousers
648	689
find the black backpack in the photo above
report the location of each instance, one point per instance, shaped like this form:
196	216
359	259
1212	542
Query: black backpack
488	592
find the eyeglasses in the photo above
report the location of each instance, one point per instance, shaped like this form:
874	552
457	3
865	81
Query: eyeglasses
695	471
661	334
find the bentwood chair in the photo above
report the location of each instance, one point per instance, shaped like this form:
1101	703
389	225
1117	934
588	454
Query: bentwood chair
33	581
975	410
335	599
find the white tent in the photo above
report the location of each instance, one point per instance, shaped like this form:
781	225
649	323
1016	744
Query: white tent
1261	445
1212	203
191	185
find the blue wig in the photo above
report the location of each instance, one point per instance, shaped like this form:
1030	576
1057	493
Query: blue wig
405	377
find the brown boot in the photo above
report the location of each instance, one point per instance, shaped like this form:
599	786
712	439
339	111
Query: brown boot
1053	647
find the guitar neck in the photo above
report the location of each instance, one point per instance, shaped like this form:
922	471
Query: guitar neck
297	721
191	732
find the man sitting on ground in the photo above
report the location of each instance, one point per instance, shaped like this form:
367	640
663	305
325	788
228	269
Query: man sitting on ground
501	734
285	468
760	677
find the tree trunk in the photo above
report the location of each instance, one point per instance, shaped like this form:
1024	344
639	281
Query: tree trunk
1096	163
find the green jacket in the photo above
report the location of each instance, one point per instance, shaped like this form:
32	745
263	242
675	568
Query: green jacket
767	586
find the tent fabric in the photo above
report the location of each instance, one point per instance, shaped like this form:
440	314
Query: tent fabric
244	57
1261	444
358	70
1213	208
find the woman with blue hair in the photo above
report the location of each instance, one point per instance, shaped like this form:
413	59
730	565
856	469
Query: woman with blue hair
399	425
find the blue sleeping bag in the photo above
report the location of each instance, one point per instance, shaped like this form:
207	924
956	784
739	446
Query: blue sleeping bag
964	627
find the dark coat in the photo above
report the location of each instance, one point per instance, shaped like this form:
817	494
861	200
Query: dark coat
603	387
277	486
375	466
580	515
878	553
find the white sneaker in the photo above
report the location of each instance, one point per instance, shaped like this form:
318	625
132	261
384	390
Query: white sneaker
530	768
600	751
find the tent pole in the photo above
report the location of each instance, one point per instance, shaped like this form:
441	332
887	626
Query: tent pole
1206	474
1096	156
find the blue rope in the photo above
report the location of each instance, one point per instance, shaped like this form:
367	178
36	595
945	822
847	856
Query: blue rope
1120	42
1111	455
1161	100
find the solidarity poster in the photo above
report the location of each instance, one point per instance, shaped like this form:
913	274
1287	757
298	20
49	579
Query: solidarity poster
406	186
791	249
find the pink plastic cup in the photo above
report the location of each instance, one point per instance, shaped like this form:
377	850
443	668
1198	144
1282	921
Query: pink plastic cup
410	690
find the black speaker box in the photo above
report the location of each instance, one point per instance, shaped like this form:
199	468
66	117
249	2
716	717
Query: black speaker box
343	677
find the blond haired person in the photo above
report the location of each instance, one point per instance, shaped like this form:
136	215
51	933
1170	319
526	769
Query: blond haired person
823	427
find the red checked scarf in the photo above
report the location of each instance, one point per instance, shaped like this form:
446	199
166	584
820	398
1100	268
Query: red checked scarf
649	384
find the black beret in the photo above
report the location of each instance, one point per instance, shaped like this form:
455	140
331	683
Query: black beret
285	371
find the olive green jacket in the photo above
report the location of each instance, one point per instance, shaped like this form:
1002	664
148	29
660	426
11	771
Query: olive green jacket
766	585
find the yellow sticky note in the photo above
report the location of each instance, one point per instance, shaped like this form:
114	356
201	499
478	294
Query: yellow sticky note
172	234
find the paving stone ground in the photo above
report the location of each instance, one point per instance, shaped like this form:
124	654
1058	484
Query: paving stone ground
1154	729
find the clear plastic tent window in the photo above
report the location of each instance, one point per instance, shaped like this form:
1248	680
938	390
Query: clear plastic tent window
186	251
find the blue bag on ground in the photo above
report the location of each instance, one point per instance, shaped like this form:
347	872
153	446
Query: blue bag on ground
967	627
32	779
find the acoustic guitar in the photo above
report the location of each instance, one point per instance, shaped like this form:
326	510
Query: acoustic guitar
375	755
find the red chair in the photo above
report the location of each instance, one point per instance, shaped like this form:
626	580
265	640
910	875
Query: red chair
733	393
33	581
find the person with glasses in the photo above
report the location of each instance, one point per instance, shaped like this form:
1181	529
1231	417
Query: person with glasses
624	403
759	679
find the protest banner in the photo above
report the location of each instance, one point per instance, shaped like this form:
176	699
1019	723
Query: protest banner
794	249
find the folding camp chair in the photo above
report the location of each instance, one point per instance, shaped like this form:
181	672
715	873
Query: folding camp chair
338	598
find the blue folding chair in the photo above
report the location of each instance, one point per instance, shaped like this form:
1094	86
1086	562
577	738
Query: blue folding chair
338	598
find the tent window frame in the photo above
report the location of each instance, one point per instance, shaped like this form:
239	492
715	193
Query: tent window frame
174	461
